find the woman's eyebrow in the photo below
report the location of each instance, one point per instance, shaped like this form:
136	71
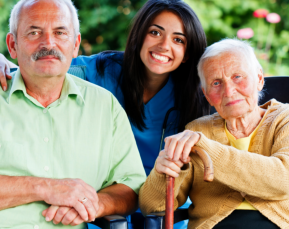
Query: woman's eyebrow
161	28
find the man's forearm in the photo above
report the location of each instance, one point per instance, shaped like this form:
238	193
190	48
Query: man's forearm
117	199
19	190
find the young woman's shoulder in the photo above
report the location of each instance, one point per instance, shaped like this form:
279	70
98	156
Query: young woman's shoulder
99	60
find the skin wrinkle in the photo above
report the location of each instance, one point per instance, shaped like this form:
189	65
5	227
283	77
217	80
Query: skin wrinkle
232	88
49	30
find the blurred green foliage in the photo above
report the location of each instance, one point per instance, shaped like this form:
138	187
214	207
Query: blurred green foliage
105	25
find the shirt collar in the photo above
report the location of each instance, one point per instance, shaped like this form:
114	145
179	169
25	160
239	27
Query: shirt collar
69	88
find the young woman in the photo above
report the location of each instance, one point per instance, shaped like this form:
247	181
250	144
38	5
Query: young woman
156	76
155	79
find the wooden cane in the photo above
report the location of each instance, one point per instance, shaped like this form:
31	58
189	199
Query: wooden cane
208	176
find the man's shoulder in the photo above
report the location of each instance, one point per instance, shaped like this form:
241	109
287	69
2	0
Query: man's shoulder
93	93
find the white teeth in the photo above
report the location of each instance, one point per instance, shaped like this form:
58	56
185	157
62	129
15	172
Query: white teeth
161	58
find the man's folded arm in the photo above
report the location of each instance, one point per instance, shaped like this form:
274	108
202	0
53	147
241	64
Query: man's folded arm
19	190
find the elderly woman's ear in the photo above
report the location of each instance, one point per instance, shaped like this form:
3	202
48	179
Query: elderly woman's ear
260	80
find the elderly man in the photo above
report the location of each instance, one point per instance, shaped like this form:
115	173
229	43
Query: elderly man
248	145
62	139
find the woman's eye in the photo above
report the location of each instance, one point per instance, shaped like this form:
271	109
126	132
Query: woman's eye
154	32
178	40
237	76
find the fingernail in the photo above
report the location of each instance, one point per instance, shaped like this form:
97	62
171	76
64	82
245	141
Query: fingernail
4	88
47	218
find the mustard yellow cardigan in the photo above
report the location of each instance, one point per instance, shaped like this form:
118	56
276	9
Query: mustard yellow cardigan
262	173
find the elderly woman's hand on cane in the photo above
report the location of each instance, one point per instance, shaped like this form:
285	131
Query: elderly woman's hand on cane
170	161
177	153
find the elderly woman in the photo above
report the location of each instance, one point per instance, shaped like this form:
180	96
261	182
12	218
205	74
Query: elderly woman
248	145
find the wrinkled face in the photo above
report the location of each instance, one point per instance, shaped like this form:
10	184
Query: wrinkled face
45	39
164	45
231	86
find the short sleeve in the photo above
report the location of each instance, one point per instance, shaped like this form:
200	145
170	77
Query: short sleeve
126	166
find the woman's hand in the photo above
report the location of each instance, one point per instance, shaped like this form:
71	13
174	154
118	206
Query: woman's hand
4	72
166	166
177	152
179	146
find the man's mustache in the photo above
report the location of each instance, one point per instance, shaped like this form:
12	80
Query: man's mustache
45	52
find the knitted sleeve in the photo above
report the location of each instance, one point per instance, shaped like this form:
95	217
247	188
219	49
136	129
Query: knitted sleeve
266	177
152	195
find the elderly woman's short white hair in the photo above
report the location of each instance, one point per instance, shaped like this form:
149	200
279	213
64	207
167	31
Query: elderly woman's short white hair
235	46
16	11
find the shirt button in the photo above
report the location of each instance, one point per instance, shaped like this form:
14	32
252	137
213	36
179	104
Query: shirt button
45	110
36	227
46	168
46	139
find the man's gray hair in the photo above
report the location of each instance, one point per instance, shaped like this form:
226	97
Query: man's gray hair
16	11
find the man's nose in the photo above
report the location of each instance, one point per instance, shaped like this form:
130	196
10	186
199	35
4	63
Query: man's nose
47	41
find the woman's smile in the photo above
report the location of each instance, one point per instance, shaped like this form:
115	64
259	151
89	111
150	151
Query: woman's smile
160	58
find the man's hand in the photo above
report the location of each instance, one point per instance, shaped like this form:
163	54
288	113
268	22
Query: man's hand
70	193
4	72
64	215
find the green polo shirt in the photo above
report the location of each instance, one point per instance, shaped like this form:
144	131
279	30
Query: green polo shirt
84	134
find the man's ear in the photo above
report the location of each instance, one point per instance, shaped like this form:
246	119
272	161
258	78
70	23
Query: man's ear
260	84
11	45
76	46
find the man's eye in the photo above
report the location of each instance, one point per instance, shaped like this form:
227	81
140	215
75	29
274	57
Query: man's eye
59	33
154	32
238	76
34	33
216	83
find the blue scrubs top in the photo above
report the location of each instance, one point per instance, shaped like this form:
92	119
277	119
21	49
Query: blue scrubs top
148	141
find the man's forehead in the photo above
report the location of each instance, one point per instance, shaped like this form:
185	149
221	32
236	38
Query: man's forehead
35	12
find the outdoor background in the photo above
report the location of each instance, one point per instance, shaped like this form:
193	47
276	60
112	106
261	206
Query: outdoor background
105	26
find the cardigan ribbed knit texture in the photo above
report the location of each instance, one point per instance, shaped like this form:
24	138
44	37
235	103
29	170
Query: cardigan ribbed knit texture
262	173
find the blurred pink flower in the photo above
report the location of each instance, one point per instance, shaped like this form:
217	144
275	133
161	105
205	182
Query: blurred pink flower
245	33
260	13
273	18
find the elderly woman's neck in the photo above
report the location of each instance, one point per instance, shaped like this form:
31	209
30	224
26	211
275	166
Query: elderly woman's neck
243	126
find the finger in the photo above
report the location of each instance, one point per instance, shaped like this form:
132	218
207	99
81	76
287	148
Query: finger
180	146
168	167
61	212
3	79
172	146
44	212
208	164
194	138
168	171
90	210
78	220
51	211
69	217
167	143
79	207
8	75
93	197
